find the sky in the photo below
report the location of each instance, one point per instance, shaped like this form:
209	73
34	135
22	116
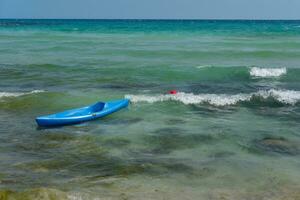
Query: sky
151	9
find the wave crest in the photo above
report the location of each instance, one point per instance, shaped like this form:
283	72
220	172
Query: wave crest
289	97
17	94
267	72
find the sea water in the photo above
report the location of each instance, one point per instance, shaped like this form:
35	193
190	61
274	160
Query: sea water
231	131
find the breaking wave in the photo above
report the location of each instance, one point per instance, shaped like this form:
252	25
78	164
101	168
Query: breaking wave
17	94
288	97
267	72
203	66
246	73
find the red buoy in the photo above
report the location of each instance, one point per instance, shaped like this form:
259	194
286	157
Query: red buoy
173	92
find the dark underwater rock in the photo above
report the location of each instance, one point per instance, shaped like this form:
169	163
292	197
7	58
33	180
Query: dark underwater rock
117	142
211	110
126	86
284	113
37	147
127	121
46	165
174	121
34	194
166	140
169	130
62	137
161	167
222	154
278	145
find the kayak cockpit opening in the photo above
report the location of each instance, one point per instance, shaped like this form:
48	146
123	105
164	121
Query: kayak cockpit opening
97	107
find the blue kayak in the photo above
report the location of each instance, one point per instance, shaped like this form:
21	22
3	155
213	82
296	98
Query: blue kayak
78	115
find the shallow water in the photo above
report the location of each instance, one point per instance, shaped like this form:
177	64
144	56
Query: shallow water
231	133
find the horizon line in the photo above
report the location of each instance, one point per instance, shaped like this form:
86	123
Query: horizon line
153	19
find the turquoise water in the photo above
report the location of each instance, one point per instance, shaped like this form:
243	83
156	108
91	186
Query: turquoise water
232	131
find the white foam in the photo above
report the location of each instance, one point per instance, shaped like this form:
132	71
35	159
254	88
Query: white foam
189	98
16	94
284	96
267	72
203	66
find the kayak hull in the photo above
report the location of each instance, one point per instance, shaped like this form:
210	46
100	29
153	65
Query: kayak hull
79	115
